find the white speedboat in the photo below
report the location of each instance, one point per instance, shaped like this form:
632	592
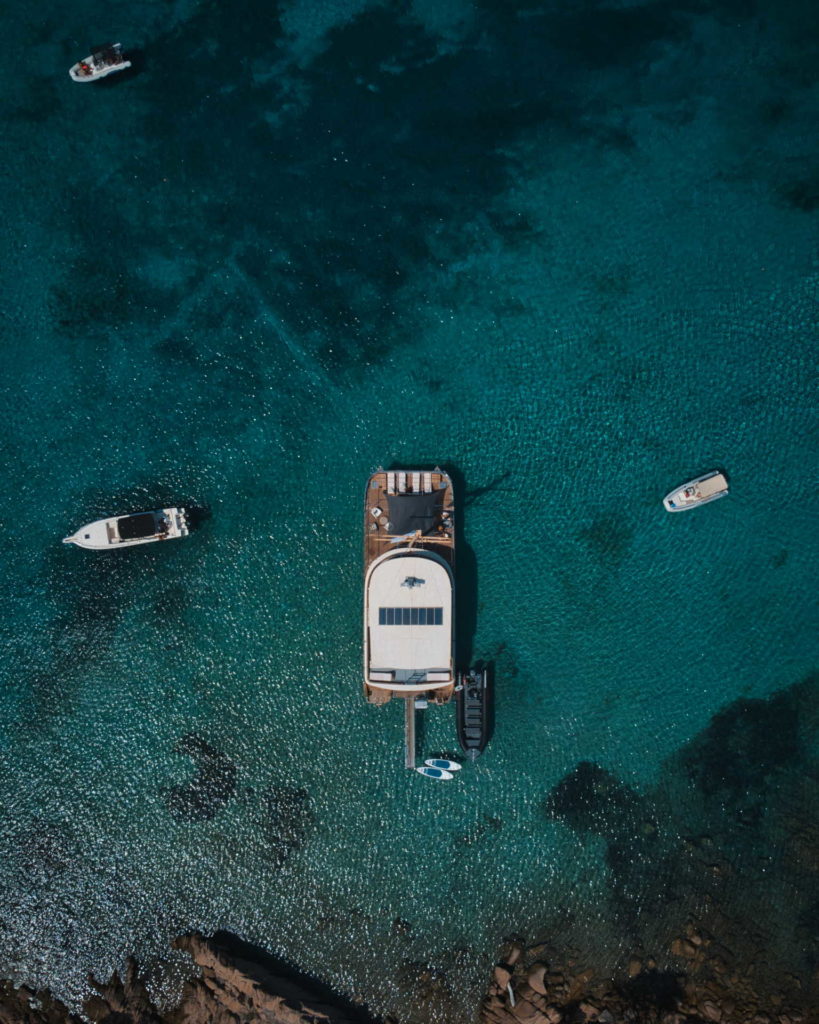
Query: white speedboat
126	531
443	763
705	488
434	773
102	62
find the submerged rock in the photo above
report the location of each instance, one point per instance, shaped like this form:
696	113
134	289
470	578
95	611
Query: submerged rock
213	784
288	816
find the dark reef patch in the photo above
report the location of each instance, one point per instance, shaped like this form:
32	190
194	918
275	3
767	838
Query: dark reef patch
803	195
591	799
653	990
212	785
365	162
780	558
288	817
486	826
608	538
744	744
725	838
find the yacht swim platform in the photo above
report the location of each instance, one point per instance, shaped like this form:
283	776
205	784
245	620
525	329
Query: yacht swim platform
696	492
409	588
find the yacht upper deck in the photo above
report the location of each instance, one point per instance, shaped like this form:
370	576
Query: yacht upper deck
409	599
396	514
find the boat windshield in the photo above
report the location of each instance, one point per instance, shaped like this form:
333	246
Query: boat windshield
106	56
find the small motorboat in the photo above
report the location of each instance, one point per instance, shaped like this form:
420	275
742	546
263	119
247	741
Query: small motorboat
104	61
444	763
434	773
473	711
137	528
705	488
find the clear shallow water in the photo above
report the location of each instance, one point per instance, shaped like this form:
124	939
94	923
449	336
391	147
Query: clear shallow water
570	256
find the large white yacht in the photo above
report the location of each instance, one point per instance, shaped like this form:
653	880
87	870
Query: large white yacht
136	528
409	586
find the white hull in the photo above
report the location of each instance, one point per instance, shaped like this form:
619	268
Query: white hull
109	534
705	488
99	65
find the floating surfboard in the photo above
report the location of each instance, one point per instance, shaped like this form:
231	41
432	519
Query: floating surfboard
434	773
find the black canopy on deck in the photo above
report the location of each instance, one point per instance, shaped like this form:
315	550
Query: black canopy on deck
411	512
138	526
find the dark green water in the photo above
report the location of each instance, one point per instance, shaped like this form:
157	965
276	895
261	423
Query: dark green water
567	251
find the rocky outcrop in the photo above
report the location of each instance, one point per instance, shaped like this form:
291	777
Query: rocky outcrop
24	1006
696	986
240	984
237	983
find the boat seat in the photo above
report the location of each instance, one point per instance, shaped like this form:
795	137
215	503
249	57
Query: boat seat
427	483
382	677
390	483
402	483
416	482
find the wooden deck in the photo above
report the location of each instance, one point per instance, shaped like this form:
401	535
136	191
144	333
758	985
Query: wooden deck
377	537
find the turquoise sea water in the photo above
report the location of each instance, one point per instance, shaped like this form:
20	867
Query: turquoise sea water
568	252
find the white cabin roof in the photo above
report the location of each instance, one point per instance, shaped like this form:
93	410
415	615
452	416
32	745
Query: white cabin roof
412	646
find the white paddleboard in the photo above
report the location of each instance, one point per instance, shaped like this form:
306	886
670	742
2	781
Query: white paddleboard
443	763
434	773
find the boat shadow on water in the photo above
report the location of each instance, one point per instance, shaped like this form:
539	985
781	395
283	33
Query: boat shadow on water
466	569
197	515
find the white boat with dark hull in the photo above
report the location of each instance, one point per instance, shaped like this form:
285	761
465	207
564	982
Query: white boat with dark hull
705	488
104	61
126	531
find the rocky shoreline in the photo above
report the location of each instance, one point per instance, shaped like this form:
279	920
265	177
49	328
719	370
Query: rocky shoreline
696	984
237	983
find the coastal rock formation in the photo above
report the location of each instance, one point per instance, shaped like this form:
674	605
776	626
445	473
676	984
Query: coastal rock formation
525	988
23	1006
241	984
237	984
